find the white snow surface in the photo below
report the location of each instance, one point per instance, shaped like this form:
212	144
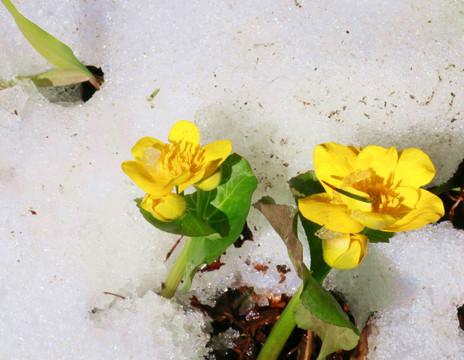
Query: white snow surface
276	78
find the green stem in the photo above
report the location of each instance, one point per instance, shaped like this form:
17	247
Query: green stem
176	274
199	203
281	330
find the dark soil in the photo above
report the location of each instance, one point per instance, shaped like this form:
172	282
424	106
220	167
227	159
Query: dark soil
235	308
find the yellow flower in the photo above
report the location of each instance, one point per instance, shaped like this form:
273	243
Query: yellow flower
344	251
388	180
158	167
167	208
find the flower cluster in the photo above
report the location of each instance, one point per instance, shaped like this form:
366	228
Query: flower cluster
372	187
160	168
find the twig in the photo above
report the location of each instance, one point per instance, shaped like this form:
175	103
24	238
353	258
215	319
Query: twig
457	202
168	255
110	293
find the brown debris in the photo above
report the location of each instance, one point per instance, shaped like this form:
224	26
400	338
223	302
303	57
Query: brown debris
254	325
261	268
215	265
233	309
282	270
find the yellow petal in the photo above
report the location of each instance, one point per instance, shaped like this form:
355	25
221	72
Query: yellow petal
138	151
184	130
148	181
372	220
211	182
382	161
414	168
332	162
319	209
167	208
187	178
429	208
355	149
184	180
409	196
215	154
218	150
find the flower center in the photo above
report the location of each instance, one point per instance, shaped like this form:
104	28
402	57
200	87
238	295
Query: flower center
174	159
385	199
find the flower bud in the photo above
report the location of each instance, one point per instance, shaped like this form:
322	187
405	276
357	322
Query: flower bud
211	182
345	251
167	208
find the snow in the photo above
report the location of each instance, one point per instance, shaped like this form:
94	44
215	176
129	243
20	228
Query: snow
274	77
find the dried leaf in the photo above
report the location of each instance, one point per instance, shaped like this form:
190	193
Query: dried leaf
282	219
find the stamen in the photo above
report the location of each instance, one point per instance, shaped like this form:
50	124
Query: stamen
181	156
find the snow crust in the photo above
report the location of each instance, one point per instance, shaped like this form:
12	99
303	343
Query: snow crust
274	77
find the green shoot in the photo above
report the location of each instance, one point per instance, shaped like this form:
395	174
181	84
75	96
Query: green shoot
53	50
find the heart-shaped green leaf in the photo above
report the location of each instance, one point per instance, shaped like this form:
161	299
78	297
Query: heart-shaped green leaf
318	311
305	185
229	205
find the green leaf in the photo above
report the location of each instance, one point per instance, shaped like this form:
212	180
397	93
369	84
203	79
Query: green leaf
319	267
230	205
305	185
283	220
302	186
318	311
53	50
376	236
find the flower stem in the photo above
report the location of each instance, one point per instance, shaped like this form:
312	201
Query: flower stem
175	275
281	330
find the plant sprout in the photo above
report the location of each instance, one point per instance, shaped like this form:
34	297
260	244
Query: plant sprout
69	70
